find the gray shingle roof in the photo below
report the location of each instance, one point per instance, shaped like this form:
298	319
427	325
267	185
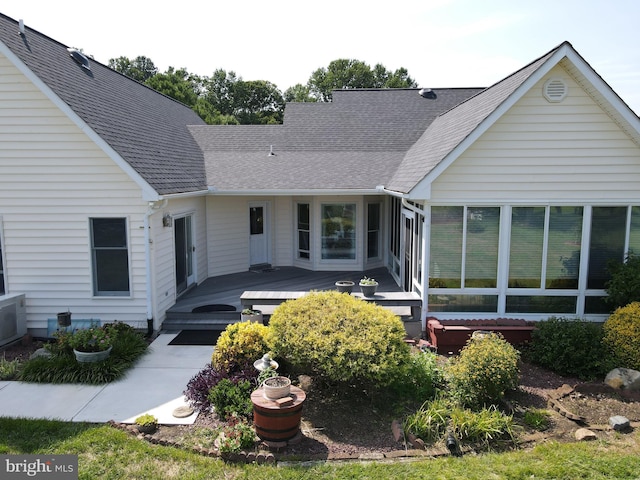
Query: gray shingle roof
452	127
147	129
355	142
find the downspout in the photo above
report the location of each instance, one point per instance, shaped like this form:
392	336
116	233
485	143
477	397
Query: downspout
153	208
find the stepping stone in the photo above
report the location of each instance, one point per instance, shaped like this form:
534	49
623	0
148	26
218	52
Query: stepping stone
183	412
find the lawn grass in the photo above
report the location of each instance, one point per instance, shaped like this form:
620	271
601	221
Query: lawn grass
107	453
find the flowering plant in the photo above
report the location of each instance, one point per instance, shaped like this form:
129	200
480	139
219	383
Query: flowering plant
368	281
94	339
236	435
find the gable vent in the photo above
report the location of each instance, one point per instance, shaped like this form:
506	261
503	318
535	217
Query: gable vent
555	90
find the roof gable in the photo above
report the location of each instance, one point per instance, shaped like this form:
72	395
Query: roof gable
142	130
454	131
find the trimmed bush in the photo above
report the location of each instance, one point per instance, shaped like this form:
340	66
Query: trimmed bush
622	336
240	345
232	398
339	338
569	347
483	371
199	387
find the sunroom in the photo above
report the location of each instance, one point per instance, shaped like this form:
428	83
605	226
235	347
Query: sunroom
525	261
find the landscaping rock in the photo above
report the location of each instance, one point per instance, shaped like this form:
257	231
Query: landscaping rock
623	378
584	434
619	423
41	352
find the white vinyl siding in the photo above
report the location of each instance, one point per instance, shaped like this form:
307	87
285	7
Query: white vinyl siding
228	235
53	178
570	151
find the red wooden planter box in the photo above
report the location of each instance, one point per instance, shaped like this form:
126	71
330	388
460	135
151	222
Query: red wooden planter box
449	336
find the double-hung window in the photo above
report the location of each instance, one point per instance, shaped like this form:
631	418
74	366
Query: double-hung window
110	257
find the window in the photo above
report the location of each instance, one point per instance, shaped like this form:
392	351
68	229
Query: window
608	229
534	246
303	228
373	230
338	231
110	256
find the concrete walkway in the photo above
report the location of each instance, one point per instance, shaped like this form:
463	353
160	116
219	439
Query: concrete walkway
154	385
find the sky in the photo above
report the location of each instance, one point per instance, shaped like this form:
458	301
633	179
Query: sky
442	43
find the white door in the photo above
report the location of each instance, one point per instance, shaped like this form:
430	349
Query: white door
258	233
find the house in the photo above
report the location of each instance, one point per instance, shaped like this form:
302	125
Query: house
488	202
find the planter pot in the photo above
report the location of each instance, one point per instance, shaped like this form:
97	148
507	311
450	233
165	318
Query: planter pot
148	429
64	319
255	318
90	357
345	286
369	290
276	387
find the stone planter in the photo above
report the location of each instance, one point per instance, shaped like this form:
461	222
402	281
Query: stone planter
147	429
276	387
344	286
368	289
90	357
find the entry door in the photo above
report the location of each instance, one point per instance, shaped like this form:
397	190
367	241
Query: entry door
184	250
408	250
258	233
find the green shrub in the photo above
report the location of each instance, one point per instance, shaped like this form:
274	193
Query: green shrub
624	286
483	371
483	427
419	380
239	345
537	418
436	418
62	367
339	338
229	398
622	336
236	435
569	347
429	423
9	368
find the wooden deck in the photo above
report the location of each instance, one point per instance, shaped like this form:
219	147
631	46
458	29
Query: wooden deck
227	290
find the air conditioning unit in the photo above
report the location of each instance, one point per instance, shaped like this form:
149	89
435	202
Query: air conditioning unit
13	318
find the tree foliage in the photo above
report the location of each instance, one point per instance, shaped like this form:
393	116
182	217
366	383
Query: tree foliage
141	68
349	73
225	98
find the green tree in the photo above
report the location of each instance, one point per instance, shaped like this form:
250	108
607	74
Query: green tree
177	84
248	102
141	68
299	93
349	73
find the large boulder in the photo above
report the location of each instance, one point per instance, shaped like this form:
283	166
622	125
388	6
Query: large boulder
623	378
